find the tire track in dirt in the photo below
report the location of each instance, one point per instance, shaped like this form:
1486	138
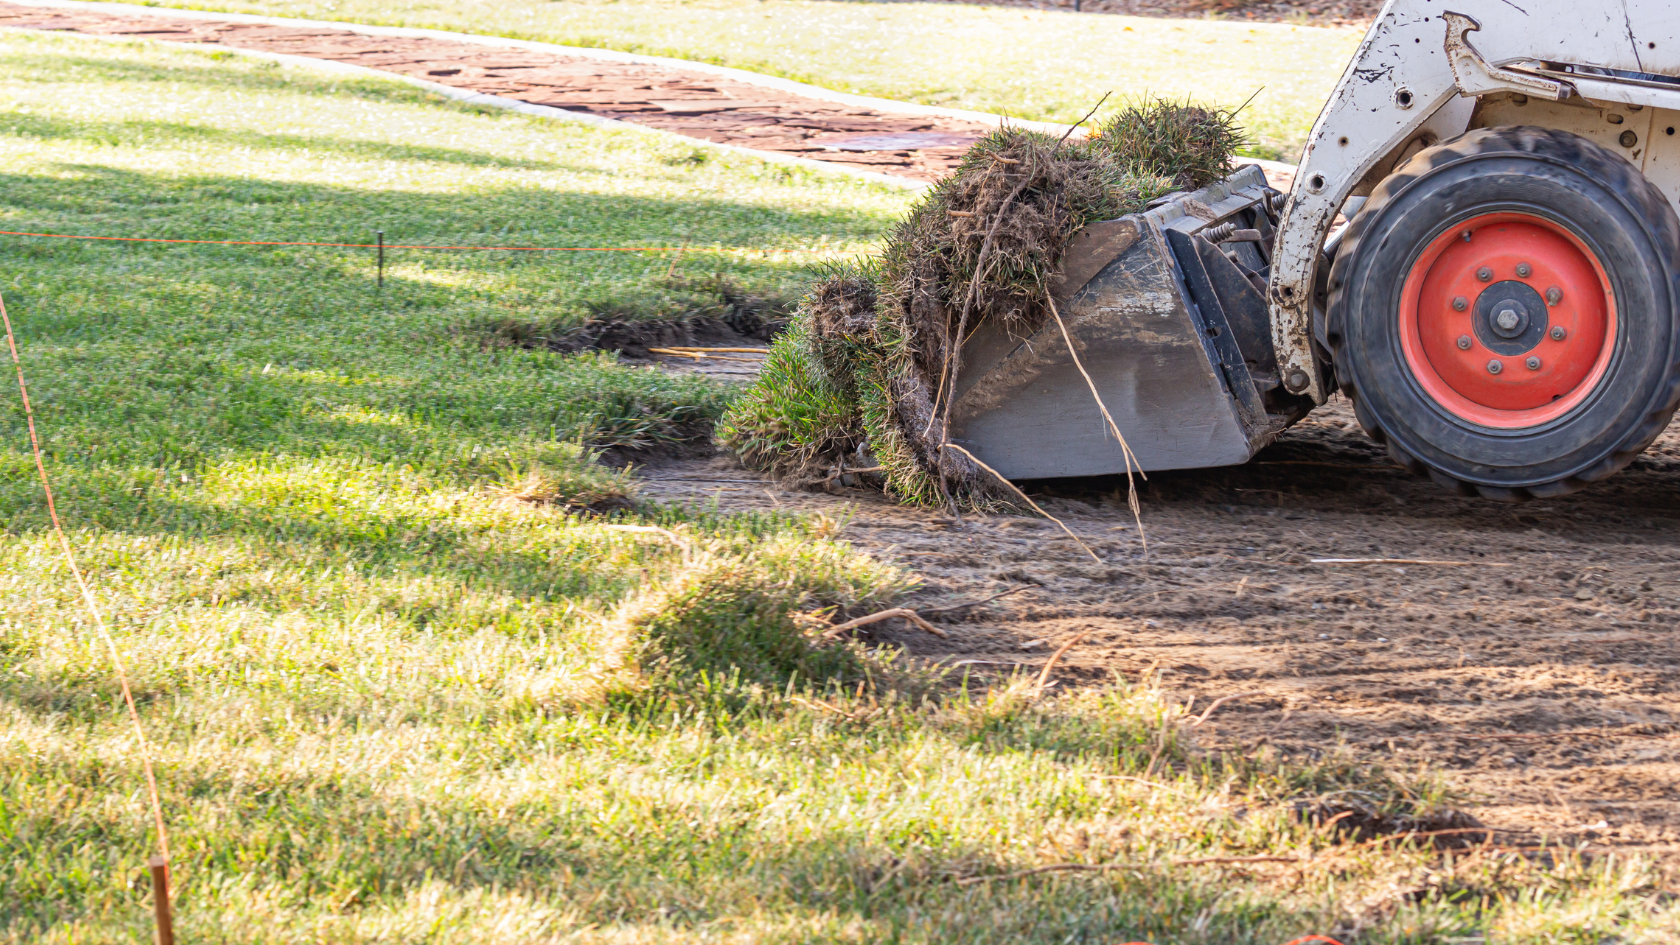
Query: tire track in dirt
1561	633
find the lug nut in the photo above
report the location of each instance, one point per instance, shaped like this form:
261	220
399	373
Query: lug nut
1485	274
1460	304
1524	270
1494	367
1559	333
1554	295
1464	342
1533	363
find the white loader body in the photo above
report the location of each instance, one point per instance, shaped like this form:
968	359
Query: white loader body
1502	307
1419	78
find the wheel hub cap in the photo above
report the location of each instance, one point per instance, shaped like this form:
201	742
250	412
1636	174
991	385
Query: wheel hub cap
1541	320
1510	318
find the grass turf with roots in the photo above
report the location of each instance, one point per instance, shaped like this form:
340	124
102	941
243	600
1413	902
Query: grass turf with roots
876	352
1034	64
398	692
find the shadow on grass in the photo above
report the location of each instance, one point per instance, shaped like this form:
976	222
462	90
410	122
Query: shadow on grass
210	206
190	134
212	70
683	861
153	365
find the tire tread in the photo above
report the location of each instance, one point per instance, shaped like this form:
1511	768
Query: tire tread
1618	175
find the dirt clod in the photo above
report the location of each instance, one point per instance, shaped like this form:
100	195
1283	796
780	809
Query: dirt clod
1445	829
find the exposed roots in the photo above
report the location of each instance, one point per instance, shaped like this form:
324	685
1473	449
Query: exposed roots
982	247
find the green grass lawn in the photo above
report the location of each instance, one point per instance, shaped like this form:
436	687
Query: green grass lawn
396	696
1030	64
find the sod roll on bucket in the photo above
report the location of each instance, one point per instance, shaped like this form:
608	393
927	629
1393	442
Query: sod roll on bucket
862	378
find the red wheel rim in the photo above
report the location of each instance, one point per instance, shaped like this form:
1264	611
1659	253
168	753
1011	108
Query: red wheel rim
1508	320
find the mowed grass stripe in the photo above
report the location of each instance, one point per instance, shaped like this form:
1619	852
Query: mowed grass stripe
1044	65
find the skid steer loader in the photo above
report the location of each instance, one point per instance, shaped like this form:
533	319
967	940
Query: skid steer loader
1500	304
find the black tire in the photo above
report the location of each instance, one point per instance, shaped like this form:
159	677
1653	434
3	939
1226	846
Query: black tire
1575	185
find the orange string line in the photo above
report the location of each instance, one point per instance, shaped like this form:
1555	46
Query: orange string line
87	593
516	249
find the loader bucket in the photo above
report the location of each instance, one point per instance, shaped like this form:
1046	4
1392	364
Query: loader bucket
1167	309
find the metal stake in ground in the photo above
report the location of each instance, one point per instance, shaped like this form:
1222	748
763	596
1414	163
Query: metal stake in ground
381	259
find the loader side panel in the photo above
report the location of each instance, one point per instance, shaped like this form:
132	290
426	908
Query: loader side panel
1027	411
1417	60
1637	133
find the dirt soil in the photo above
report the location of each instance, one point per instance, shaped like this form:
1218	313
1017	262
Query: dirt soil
693	104
694	346
1537	666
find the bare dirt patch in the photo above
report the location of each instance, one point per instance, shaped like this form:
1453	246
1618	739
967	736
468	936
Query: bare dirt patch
728	340
1540	675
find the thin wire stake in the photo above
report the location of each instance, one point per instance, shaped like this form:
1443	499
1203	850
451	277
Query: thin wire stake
675	258
87	593
381	259
160	900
